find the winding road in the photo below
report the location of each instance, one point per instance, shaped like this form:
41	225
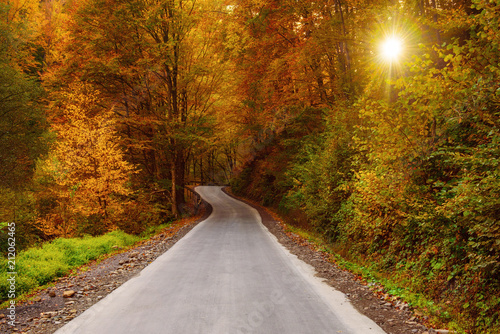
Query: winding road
229	275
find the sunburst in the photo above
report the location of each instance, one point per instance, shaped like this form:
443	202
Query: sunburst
391	48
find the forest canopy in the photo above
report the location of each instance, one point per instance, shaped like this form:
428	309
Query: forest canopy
374	124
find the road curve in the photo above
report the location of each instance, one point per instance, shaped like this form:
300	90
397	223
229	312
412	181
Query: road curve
228	275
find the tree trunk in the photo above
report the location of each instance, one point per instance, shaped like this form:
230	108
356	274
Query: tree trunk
177	172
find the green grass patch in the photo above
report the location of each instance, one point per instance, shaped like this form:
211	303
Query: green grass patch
152	230
40	265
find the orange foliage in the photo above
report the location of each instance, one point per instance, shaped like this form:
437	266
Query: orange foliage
86	171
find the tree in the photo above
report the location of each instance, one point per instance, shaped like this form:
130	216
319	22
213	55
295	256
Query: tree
86	172
22	122
21	118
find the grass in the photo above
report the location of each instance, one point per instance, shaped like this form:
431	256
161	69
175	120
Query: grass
39	266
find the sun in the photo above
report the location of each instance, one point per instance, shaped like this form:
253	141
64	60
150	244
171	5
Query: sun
392	48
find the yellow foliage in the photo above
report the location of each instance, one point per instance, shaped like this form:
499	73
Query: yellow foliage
86	170
23	19
56	225
380	199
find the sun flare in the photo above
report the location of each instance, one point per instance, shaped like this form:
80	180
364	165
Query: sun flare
392	48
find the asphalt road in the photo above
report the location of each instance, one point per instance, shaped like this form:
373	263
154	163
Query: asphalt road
229	275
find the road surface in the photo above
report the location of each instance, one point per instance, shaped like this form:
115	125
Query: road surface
229	275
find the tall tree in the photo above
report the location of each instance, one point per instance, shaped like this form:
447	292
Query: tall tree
86	173
21	120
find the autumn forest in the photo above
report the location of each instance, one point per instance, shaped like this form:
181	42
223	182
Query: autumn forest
111	110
